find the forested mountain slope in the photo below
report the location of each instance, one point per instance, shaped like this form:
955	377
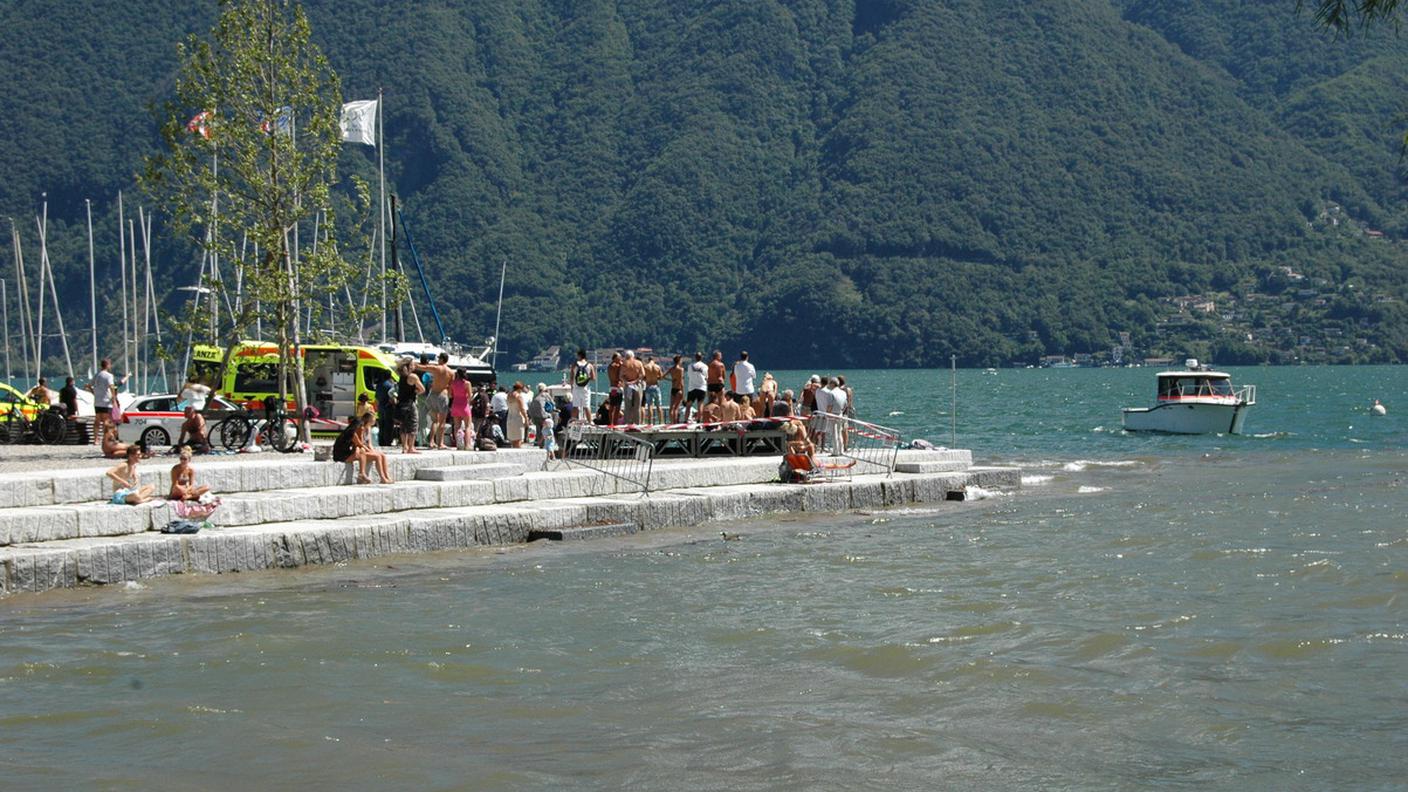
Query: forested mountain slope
823	181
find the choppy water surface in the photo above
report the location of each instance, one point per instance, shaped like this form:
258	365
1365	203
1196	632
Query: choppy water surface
1147	612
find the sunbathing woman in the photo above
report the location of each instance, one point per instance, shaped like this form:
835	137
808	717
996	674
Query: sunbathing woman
116	449
364	453
183	479
127	487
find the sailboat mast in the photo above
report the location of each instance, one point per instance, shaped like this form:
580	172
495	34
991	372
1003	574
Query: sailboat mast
503	272
122	274
26	329
381	177
5	313
92	290
39	326
46	269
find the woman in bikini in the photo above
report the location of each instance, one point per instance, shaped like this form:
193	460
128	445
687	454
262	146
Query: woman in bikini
183	479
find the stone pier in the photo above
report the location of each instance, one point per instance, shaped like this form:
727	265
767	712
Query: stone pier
57	529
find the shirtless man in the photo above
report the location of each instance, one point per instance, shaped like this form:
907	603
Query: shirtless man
614	397
709	414
654	412
127	487
676	373
437	401
716	377
729	411
41	393
183	479
632	386
193	432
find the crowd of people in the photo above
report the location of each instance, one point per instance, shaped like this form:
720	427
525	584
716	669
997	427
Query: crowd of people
700	393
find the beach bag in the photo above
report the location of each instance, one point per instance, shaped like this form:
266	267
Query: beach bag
116	411
182	527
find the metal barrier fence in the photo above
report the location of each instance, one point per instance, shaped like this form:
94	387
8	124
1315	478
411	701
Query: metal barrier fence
872	448
619	455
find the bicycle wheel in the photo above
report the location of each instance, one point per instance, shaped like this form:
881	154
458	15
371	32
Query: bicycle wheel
234	432
281	434
50	428
11	426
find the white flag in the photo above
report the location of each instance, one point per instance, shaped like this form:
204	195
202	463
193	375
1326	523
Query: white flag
359	122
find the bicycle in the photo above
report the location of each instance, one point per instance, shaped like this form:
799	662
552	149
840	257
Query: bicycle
273	428
47	427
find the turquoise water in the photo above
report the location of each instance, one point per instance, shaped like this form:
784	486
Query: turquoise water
1148	612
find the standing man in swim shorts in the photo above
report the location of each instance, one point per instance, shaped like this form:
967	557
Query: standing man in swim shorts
676	373
437	400
654	412
104	388
632	386
716	378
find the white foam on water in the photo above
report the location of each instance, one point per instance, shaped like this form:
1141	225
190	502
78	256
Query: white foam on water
1086	490
1081	464
972	492
1036	481
893	413
133	585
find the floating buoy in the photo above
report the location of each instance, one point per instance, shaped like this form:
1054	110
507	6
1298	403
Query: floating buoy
1378	409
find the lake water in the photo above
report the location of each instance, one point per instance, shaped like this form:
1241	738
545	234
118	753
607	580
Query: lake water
1148	612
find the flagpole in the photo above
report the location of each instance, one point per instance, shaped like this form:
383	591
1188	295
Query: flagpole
381	177
92	290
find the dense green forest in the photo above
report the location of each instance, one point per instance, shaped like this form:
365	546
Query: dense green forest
824	182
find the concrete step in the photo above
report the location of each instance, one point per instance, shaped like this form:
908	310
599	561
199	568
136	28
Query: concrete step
467	472
268	471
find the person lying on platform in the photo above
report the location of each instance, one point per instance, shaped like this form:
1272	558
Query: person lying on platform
193	432
183	479
127	488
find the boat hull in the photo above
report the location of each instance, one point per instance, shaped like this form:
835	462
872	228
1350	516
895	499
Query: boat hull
1187	418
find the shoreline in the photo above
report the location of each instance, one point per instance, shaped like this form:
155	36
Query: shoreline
56	531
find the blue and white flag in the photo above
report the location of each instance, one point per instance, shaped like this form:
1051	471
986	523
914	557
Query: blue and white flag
359	122
282	122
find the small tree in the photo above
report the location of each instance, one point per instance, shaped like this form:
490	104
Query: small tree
251	145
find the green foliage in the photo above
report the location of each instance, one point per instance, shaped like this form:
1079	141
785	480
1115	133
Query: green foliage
823	181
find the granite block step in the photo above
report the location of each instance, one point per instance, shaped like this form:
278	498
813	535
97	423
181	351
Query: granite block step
468	472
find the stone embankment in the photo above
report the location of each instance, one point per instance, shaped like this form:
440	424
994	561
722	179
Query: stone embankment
58	530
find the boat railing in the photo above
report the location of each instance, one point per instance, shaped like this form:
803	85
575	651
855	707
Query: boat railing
1246	394
870	447
620	455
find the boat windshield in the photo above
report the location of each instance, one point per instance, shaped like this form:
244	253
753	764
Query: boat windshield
1180	387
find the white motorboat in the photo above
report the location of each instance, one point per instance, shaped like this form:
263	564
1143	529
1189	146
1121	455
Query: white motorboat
1193	401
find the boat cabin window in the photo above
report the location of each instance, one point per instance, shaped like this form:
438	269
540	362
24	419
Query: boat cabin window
1177	387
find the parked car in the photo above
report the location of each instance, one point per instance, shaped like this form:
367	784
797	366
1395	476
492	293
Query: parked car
155	421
